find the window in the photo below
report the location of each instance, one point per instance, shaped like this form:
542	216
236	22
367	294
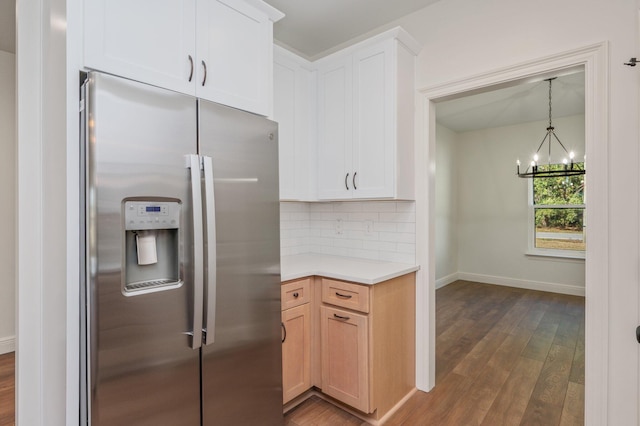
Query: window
557	225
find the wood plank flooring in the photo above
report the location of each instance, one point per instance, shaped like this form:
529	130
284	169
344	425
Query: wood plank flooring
7	389
504	356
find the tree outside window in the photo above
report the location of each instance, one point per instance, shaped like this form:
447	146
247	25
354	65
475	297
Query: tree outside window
558	209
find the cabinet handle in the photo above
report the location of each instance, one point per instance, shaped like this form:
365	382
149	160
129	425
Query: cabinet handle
285	332
341	317
344	296
190	72
296	295
638	334
346	183
354	180
204	78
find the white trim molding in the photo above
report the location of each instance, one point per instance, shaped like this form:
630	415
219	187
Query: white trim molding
7	345
573	290
446	280
594	59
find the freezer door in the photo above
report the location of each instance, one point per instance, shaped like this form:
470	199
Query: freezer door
241	362
142	369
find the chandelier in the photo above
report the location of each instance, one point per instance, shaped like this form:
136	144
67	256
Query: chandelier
567	168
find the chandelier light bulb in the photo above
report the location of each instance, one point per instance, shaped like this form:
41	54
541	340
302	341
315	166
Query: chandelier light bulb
518	161
533	163
565	161
571	155
535	157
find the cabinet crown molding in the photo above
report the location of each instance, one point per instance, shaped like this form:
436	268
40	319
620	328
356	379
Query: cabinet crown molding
397	33
272	13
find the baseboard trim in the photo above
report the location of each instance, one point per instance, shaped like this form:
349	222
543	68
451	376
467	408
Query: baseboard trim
526	284
445	281
7	344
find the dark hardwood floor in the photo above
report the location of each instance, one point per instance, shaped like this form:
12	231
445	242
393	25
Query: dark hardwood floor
7	389
504	356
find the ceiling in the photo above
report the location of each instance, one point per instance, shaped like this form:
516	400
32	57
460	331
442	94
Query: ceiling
311	27
522	103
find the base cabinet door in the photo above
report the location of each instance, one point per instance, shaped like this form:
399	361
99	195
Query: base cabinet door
345	357
296	351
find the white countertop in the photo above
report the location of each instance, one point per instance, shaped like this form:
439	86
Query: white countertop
361	271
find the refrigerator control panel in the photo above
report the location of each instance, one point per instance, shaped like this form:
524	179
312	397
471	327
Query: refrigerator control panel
141	215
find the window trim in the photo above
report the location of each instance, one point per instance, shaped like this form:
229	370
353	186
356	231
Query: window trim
532	250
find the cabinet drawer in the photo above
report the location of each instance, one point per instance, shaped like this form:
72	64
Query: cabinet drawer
346	295
295	293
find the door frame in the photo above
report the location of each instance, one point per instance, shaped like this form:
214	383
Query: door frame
594	59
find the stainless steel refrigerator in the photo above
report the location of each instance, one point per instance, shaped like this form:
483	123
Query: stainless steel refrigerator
181	238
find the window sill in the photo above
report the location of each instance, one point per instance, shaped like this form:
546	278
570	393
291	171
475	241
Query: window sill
556	254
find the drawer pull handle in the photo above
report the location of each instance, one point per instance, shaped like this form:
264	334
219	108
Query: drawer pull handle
285	332
341	317
296	295
344	296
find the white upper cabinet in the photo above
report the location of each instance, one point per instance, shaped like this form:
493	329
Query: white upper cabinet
144	40
293	109
220	50
336	178
366	120
373	149
234	49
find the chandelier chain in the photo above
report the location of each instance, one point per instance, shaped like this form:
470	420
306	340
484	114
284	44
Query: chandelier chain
550	125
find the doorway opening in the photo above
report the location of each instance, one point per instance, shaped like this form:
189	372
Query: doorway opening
509	298
592	60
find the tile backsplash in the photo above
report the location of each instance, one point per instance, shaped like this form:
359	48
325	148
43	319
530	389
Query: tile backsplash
378	230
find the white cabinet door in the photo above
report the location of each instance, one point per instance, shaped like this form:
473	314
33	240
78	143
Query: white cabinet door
234	50
142	40
284	112
219	50
373	122
293	109
335	110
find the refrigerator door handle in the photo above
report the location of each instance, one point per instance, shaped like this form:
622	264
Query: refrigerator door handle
198	278
210	215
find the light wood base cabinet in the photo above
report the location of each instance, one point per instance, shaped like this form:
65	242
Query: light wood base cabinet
368	343
296	338
345	357
362	349
296	348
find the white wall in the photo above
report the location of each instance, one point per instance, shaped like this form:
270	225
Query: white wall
340	229
493	207
461	39
7	201
465	38
446	206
